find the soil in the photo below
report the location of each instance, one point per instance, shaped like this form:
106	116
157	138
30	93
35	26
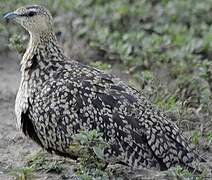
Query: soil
13	146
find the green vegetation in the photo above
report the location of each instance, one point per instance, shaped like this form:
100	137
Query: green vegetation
101	65
163	48
89	146
23	173
180	173
39	162
16	42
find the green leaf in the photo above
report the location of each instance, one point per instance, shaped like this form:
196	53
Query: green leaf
99	152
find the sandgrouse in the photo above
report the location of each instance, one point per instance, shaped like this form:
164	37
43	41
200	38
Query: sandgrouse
58	97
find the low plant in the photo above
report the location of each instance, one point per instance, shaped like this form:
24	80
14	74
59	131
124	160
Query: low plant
89	147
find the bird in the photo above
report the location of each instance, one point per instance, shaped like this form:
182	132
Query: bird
59	97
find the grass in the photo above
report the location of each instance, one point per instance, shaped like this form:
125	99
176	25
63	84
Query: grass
163	47
40	162
23	173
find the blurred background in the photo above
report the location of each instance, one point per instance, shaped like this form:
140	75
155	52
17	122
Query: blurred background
161	47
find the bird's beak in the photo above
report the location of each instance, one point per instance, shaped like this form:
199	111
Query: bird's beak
10	15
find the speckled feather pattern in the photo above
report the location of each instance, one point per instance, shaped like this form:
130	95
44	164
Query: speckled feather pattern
59	97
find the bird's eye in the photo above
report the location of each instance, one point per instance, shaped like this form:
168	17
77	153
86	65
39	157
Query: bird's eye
31	13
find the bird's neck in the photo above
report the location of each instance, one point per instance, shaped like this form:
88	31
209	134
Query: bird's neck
39	40
43	48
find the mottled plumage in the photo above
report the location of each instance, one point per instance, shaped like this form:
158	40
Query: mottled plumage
59	97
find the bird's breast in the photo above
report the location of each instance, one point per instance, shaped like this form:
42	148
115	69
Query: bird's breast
21	102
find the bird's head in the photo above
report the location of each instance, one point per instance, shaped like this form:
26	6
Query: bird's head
35	19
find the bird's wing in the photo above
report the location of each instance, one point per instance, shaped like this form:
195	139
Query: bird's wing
108	105
145	134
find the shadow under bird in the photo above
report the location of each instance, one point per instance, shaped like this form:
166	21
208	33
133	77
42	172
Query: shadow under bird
58	97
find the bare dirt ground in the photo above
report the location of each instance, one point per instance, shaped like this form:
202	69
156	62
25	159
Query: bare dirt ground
13	146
